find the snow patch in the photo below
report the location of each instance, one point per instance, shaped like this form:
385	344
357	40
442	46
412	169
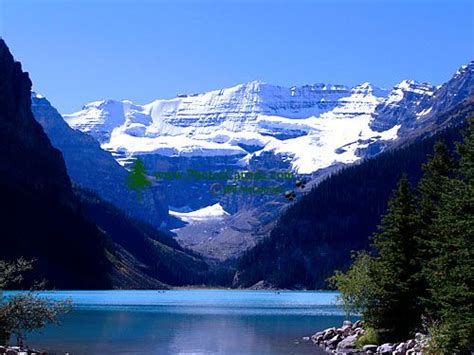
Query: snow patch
210	212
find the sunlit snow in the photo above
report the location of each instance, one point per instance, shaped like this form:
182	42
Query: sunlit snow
204	214
314	126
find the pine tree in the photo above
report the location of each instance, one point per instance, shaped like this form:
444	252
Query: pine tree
439	167
466	151
137	179
395	309
451	267
436	173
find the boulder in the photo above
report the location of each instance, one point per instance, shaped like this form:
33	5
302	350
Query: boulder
385	349
358	324
410	344
332	343
347	323
370	347
402	347
329	333
347	343
317	337
345	330
358	331
419	336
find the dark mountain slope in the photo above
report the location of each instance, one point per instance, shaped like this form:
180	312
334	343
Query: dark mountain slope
40	217
93	168
158	254
316	235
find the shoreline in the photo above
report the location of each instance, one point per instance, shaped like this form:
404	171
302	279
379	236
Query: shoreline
346	340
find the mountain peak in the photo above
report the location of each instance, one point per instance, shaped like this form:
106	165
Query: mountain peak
365	85
464	70
414	86
367	88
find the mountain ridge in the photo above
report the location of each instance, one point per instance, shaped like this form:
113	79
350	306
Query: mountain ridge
316	235
321	128
248	119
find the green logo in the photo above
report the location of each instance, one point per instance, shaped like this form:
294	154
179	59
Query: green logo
137	179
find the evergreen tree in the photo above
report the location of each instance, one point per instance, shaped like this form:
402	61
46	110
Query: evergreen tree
450	270
394	309
137	179
436	173
439	167
466	151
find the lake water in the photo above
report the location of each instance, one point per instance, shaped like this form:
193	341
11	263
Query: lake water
189	322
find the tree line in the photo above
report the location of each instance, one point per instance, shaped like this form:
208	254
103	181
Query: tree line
316	235
419	273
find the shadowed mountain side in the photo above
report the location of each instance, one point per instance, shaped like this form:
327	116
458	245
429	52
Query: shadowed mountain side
316	235
93	168
40	217
153	253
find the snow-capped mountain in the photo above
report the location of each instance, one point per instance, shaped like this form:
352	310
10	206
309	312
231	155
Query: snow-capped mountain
306	124
257	125
413	105
313	129
404	99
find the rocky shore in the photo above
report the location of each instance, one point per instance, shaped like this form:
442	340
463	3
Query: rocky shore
343	341
17	350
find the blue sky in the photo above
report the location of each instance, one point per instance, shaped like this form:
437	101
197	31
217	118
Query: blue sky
79	51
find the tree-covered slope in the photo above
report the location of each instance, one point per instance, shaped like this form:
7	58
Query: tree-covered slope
155	253
316	235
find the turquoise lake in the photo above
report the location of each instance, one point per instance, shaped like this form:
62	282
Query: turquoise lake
189	322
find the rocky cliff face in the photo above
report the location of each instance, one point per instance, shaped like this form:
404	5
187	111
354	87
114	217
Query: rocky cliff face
450	94
27	157
414	105
92	168
401	104
40	217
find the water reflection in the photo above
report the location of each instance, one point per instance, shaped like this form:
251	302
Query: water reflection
249	323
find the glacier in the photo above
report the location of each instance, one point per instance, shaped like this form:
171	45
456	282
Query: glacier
312	126
215	211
